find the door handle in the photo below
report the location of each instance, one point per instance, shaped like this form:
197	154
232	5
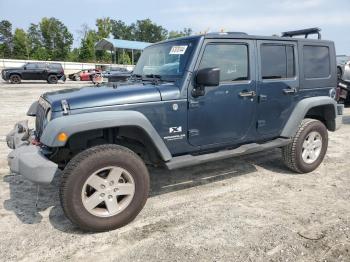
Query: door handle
247	94
290	90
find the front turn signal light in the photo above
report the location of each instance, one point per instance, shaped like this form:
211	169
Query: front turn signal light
62	137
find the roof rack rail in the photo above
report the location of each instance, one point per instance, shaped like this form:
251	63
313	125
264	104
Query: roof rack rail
305	32
227	33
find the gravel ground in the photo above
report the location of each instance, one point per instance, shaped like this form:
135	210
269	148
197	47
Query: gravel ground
243	209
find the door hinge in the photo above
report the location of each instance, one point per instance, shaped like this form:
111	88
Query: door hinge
262	98
193	132
193	104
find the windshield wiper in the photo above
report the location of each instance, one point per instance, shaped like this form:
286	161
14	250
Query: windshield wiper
136	76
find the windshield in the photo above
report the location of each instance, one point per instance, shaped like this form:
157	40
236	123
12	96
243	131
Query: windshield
166	60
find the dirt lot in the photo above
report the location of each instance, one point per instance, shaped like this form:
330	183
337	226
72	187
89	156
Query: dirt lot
244	209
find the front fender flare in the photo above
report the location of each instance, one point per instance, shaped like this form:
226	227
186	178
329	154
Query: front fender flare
300	111
73	124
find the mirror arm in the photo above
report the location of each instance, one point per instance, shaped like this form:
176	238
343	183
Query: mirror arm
198	91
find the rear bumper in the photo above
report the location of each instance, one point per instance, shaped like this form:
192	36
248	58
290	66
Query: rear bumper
28	160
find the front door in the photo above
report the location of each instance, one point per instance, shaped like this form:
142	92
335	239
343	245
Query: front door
30	72
277	87
225	113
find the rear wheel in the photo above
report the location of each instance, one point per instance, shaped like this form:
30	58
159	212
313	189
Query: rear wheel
52	79
104	188
308	147
15	79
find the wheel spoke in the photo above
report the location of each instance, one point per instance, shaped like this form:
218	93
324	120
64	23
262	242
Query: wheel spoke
125	189
312	155
312	137
96	181
112	205
92	201
115	174
305	154
318	143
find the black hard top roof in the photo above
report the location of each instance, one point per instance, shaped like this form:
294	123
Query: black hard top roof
241	35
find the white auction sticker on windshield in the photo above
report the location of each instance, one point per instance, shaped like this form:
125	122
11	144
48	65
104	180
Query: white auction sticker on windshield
178	50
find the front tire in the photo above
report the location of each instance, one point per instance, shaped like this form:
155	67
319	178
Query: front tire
308	147
104	188
15	79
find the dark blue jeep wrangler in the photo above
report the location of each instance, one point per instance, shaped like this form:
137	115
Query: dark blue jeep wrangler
189	101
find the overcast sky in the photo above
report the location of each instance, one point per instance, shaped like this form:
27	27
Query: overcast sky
264	17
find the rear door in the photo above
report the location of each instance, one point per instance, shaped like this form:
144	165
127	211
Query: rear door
225	114
42	71
278	85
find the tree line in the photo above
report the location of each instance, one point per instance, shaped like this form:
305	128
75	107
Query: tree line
50	39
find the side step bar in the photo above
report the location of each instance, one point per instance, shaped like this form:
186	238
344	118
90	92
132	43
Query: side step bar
190	160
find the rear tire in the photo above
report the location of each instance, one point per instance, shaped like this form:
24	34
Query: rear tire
52	79
112	207
308	147
15	79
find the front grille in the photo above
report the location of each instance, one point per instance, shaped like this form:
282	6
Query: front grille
40	120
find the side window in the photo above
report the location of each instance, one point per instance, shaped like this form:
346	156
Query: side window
41	65
277	61
232	59
316	62
31	66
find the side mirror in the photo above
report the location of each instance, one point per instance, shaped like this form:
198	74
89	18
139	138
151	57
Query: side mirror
206	77
25	67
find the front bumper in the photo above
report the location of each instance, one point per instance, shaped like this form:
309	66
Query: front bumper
27	159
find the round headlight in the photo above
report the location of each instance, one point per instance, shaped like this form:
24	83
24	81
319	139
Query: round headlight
48	115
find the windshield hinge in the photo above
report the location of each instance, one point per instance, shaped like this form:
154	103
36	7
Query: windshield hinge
65	107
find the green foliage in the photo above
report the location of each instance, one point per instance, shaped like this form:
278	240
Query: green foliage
36	49
124	59
87	49
147	31
56	38
6	39
104	27
175	34
121	30
20	45
50	39
73	55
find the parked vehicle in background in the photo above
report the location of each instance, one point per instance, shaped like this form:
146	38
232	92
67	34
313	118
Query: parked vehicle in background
83	75
343	72
190	100
51	72
116	74
343	67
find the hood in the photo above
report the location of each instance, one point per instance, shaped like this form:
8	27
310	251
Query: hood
92	96
12	68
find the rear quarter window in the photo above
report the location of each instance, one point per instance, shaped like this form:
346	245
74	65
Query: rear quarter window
316	62
55	66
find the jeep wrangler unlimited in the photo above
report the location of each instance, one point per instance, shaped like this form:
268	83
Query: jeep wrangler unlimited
189	101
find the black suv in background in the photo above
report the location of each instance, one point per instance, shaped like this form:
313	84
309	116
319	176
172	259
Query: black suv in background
51	72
